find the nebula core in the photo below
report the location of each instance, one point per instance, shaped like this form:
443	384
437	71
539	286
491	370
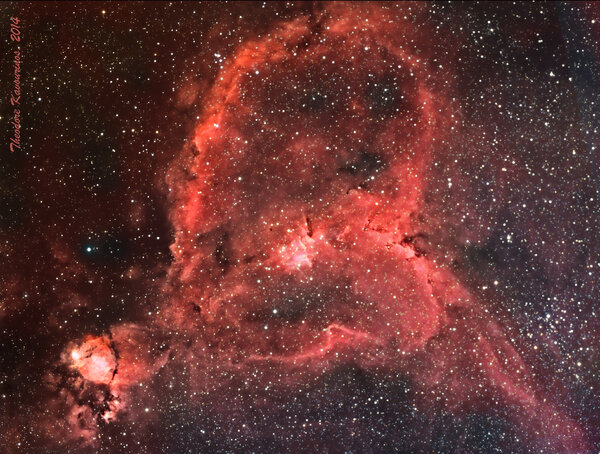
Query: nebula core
375	230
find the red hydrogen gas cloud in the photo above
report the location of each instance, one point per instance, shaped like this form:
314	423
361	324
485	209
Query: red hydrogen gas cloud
95	360
302	227
296	208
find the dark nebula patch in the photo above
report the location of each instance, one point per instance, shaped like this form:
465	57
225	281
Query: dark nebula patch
365	164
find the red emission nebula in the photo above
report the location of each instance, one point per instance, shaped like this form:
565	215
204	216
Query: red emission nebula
315	299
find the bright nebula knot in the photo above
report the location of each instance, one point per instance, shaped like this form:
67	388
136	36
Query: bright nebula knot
95	360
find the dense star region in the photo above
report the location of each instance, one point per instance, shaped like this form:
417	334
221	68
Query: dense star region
328	227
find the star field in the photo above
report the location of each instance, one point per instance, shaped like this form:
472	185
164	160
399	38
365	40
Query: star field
300	227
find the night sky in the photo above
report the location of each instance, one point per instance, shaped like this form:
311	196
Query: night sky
299	227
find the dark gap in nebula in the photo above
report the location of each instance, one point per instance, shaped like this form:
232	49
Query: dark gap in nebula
314	101
248	259
383	97
315	26
196	307
416	242
309	226
223	252
106	248
285	310
365	164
